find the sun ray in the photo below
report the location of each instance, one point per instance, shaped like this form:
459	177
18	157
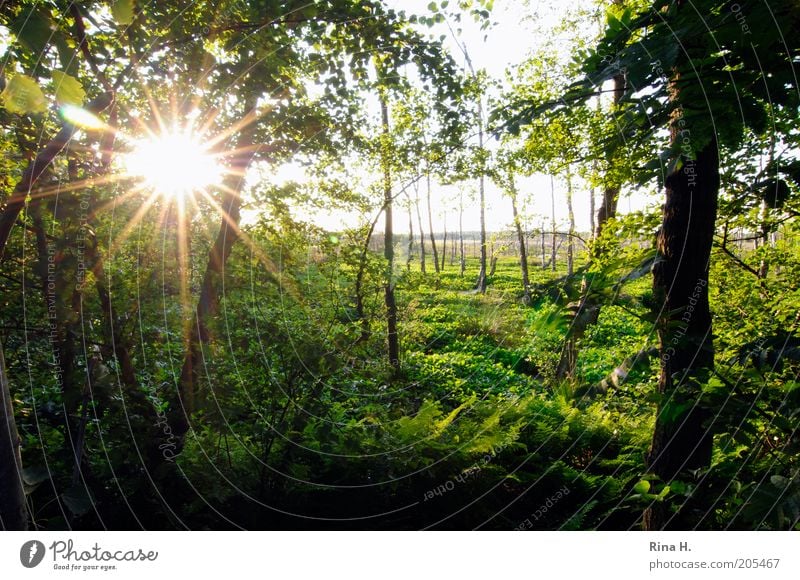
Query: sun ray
238	231
175	164
133	222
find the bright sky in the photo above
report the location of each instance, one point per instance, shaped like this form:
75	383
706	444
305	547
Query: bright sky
520	27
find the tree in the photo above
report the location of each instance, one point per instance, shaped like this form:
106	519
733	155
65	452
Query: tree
503	175
388	232
706	84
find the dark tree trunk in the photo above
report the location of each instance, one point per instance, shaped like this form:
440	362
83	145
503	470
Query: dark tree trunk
13	509
430	223
388	247
553	224
682	438
523	251
359	285
608	207
210	294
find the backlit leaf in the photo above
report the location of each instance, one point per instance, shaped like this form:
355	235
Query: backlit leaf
22	95
68	89
122	10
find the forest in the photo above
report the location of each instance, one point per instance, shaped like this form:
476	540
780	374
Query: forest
382	265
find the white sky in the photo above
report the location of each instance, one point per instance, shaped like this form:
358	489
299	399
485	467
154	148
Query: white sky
520	27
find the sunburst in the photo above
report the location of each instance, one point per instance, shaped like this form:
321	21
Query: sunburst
173	164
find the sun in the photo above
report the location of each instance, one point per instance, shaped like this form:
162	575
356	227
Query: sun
174	165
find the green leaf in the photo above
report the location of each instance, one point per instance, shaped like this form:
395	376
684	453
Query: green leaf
122	11
642	487
78	500
674	410
67	54
68	89
35	475
33	32
779	481
22	95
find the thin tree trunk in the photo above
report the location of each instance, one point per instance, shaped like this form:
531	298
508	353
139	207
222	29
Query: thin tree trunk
13	509
453	252
410	237
481	283
444	242
430	222
359	285
421	231
544	247
763	267
570	238
553	225
463	258
523	251
388	246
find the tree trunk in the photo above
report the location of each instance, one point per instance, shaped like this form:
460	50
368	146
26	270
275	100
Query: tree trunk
544	248
359	285
210	293
523	251
553	225
608	207
682	440
591	213
763	266
410	250
463	258
444	242
480	285
388	245
421	232
430	222
453	252
571	235
13	509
